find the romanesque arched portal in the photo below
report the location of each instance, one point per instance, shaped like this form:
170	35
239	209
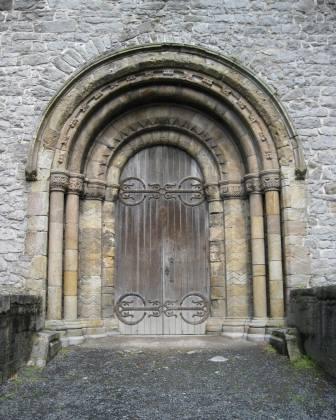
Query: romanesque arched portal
213	111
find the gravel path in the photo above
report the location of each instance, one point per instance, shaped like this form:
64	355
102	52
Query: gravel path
134	378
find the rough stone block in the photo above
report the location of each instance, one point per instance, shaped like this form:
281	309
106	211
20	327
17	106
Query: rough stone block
38	204
6	5
20	318
313	312
36	243
39	267
278	341
46	346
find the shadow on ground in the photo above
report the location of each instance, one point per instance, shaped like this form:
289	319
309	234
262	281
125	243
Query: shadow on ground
168	378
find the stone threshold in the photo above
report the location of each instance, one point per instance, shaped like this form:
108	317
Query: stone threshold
74	332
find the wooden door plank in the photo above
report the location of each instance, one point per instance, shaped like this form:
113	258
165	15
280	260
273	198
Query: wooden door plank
157	231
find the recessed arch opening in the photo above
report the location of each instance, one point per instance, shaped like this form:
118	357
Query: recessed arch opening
222	116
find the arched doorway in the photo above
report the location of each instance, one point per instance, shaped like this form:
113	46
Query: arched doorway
220	116
162	237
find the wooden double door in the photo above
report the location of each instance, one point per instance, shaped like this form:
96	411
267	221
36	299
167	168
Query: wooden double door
162	237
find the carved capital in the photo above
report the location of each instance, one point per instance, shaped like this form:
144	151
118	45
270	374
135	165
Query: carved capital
212	192
270	180
252	184
31	175
76	183
59	181
95	190
230	190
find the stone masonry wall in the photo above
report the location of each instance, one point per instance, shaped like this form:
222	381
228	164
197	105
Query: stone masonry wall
291	45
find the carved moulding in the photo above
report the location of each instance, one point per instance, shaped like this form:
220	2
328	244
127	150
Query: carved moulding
58	181
118	158
231	190
212	192
212	67
237	101
154	123
112	192
94	190
268	156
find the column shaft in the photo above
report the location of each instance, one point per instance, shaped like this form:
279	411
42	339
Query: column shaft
90	297
258	256
274	254
236	251
71	246
58	183
71	256
217	252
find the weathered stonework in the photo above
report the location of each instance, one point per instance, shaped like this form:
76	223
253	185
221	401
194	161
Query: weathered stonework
313	312
20	319
289	45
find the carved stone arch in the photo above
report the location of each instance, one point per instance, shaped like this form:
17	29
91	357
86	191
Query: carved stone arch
258	149
186	122
220	114
206	161
246	94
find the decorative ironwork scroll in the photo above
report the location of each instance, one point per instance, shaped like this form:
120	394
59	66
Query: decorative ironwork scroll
132	308
189	190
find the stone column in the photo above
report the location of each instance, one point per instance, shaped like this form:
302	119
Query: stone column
271	186
108	249
91	251
58	185
236	249
71	246
253	188
217	253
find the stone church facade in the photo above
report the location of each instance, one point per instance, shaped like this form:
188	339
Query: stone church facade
100	100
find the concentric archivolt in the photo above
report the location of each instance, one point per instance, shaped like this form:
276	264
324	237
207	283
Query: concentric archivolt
207	82
166	124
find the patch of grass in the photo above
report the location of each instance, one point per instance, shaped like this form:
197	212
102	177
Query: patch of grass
8	396
269	349
304	362
64	351
31	373
25	374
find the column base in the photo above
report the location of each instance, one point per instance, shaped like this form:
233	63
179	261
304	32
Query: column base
276	322
257	329
77	331
235	328
214	325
